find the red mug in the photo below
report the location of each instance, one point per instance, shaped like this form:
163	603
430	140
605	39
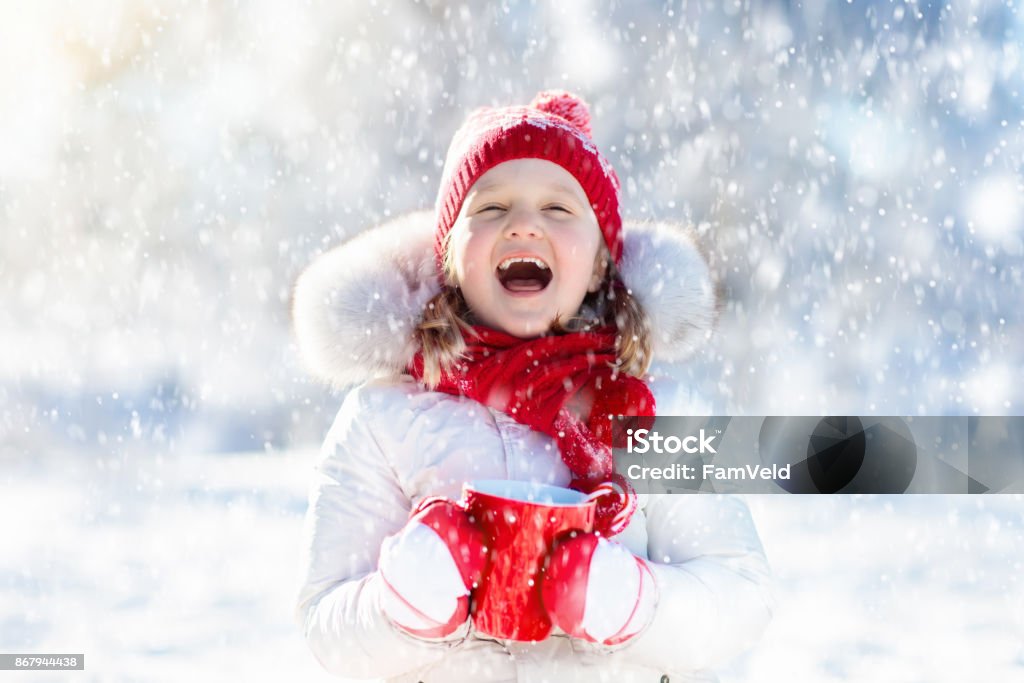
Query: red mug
521	522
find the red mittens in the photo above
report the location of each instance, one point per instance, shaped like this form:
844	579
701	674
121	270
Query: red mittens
597	590
430	568
592	588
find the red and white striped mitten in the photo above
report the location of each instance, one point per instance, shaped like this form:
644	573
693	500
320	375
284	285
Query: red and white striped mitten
430	568
597	590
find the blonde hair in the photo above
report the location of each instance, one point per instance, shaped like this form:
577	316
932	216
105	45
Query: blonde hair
445	321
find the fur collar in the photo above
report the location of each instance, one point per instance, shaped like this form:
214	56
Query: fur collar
354	308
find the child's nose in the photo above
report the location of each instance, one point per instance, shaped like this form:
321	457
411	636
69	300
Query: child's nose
523	223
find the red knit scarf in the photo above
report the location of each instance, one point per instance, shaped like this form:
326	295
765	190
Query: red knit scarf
533	381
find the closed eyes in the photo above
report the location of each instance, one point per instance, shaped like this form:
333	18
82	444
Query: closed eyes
553	207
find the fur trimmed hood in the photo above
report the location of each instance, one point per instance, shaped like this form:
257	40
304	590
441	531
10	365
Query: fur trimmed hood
355	307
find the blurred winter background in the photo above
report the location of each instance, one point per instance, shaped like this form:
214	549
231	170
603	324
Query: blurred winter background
168	168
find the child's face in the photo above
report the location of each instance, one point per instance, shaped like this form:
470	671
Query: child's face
534	210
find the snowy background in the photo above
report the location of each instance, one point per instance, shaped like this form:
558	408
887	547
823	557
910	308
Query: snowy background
168	168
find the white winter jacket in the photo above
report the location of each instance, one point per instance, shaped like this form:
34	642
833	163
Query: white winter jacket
394	443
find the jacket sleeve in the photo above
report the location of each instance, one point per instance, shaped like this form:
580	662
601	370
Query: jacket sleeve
715	587
355	502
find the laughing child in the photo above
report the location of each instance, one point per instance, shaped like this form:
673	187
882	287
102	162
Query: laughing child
491	339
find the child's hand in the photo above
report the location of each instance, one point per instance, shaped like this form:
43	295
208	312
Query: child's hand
430	568
597	590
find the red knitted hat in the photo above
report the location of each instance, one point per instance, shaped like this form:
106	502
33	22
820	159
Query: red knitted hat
555	126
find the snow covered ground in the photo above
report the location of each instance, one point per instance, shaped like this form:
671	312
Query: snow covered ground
184	569
918	588
161	570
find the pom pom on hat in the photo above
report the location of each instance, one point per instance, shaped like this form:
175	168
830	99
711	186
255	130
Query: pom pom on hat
564	104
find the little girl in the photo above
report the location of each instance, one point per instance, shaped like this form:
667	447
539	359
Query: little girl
491	339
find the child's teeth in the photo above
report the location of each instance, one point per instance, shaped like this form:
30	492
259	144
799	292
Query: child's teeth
508	262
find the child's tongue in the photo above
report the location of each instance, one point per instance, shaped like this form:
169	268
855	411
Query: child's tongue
523	285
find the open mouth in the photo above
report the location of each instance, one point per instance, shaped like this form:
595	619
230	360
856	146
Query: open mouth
524	274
